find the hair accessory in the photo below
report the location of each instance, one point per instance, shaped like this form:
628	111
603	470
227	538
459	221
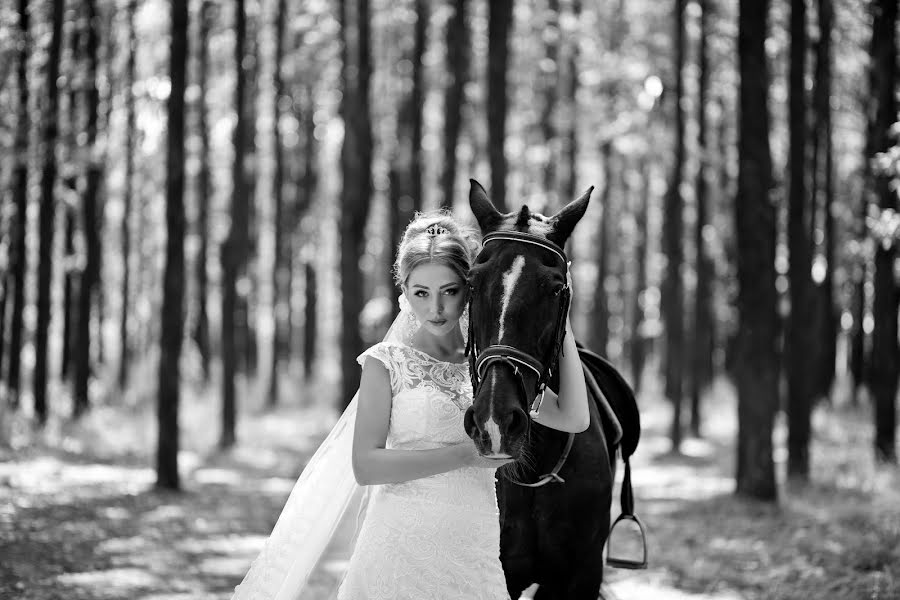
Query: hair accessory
436	229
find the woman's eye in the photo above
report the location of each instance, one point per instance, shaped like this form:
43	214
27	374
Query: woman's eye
452	291
421	294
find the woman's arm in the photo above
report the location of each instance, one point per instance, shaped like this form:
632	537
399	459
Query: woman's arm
568	411
373	464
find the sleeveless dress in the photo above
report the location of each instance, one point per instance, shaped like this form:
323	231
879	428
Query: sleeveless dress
437	537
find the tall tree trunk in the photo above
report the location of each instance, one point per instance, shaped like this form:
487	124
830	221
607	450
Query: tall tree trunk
600	310
248	299
458	72
48	179
703	323
70	288
92	209
19	255
673	232
173	278
822	166
885	349
208	14
569	141
233	253
125	342
405	177
638	343
310	328
548	82
499	24
356	169
756	361
799	340
281	280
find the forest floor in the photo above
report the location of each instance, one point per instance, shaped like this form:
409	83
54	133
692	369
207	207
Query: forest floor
80	518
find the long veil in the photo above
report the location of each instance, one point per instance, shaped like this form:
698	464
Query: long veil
316	513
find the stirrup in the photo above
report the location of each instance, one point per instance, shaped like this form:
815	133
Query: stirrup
619	562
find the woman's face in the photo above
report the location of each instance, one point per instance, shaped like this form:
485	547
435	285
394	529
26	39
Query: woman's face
437	297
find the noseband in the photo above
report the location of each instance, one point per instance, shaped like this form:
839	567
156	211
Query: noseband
481	359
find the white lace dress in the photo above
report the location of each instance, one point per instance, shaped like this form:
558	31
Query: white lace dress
436	537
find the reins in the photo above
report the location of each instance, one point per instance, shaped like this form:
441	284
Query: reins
517	359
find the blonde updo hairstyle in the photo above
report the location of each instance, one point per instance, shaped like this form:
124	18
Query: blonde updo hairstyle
455	246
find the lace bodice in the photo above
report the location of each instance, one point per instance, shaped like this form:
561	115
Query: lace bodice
436	537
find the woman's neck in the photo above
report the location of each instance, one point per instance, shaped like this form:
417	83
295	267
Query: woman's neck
445	347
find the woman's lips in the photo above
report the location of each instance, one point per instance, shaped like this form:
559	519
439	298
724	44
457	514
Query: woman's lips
439	322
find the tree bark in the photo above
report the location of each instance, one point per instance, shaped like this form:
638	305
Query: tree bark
47	208
756	360
281	276
569	141
125	342
885	349
208	14
638	343
19	256
673	232
600	310
310	328
799	340
173	277
499	25
233	253
458	73
92	209
356	163
703	323
548	82
827	312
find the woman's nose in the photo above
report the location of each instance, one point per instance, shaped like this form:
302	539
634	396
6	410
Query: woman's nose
438	306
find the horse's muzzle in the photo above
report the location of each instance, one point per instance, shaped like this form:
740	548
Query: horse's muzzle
493	438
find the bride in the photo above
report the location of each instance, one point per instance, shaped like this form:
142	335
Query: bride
431	527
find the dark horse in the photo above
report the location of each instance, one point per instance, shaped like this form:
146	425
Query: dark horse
552	534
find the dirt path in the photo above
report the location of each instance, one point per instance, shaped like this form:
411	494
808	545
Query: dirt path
78	526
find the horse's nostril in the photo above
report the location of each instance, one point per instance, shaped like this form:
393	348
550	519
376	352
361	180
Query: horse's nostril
518	423
469	423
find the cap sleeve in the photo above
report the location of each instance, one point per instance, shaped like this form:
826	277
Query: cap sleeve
387	355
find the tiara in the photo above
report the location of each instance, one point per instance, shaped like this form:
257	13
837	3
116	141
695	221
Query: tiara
436	229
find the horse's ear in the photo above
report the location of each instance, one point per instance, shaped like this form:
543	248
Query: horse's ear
565	220
485	212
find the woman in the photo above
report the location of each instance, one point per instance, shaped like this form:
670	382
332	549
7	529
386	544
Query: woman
431	528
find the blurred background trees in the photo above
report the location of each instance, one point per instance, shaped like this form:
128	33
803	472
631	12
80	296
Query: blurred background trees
746	226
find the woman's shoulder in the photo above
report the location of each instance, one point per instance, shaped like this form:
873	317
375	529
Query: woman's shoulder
387	353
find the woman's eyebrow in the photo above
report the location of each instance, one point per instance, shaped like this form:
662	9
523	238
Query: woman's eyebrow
425	287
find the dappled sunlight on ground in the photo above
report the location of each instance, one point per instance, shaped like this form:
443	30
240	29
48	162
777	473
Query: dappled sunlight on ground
80	522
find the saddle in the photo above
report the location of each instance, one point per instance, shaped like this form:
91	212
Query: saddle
621	424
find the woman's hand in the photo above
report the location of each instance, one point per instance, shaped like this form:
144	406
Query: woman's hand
471	458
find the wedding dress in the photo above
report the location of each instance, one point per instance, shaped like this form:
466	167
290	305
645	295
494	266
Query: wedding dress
437	537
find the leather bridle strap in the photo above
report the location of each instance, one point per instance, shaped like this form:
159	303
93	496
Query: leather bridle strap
554	474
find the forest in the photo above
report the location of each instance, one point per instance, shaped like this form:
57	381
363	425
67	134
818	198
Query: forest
201	203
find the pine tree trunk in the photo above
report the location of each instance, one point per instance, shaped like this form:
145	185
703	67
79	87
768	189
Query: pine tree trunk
248	300
173	277
638	343
756	359
673	232
600	311
885	349
49	134
92	209
125	342
208	14
70	290
702	334
281	279
458	72
569	140
799	340
19	256
310	329
356	162
499	25
548	84
234	248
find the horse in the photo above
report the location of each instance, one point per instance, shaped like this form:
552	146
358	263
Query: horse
554	501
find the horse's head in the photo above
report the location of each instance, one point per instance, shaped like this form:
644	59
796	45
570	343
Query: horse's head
519	296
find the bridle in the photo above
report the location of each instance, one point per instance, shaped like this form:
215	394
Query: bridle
480	360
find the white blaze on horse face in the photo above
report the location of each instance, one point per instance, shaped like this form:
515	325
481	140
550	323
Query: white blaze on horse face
491	427
510	278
